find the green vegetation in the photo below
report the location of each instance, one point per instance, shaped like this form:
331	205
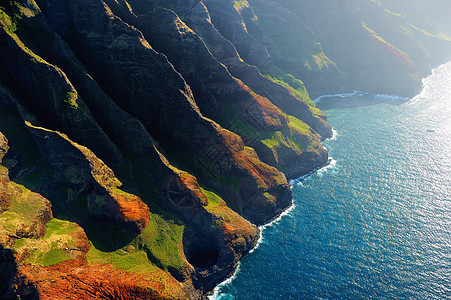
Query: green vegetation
71	99
277	140
58	245
129	258
401	53
239	5
10	15
410	29
24	208
295	85
9	220
299	125
321	60
19	203
7	22
59	227
213	199
161	240
156	247
49	257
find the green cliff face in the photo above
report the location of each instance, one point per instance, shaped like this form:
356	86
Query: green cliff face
142	142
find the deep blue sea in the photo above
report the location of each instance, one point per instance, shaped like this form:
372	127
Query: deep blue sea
375	223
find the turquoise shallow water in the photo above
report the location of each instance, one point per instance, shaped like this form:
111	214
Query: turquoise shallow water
375	224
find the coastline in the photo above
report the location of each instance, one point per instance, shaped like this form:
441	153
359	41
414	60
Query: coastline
331	163
214	294
422	101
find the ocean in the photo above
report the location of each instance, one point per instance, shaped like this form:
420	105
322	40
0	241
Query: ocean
376	222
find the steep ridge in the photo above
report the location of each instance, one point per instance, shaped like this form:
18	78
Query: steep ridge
293	48
376	50
107	219
213	227
292	100
164	103
221	97
141	141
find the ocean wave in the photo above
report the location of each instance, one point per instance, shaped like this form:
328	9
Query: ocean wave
334	135
216	292
276	220
272	223
341	95
330	164
390	97
216	295
428	82
362	93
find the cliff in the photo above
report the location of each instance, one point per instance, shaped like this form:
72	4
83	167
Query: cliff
375	48
143	142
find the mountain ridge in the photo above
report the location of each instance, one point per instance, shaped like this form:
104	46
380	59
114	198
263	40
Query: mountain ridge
148	139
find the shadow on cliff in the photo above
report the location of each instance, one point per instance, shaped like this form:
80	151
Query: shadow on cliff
9	279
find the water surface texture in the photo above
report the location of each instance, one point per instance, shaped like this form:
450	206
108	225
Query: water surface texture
376	224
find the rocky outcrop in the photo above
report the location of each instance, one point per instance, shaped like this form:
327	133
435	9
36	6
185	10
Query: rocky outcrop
79	170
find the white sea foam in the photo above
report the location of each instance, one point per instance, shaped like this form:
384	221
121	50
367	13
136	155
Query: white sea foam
331	163
276	220
360	94
341	95
334	135
216	295
390	97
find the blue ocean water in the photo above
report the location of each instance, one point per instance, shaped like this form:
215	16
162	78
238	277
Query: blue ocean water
376	223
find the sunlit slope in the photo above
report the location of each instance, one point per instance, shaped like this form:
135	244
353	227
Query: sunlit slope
143	141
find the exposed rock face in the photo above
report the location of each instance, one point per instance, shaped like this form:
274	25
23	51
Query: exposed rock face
79	169
3	146
50	94
198	107
164	104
